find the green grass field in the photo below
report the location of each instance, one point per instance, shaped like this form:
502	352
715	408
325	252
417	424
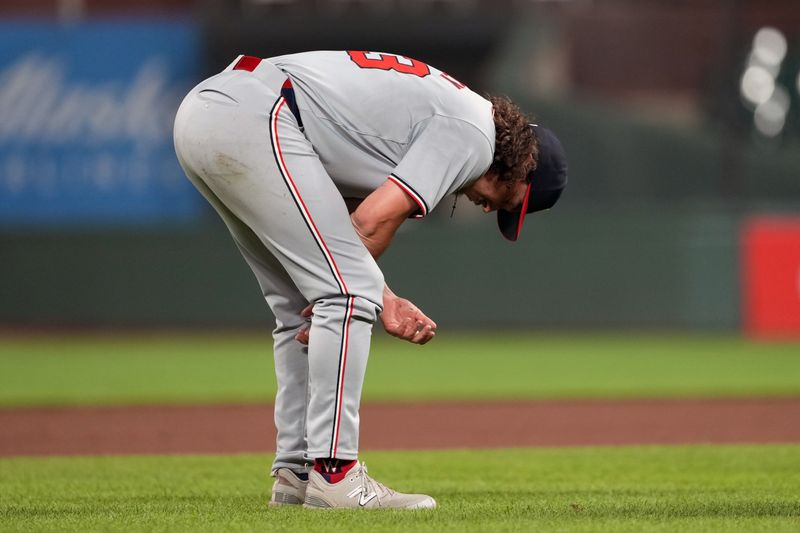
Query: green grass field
187	368
692	488
587	489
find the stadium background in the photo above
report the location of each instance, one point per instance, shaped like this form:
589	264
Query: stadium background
631	364
669	159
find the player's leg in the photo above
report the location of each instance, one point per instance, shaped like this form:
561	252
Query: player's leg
291	464
267	173
205	140
291	357
313	238
345	285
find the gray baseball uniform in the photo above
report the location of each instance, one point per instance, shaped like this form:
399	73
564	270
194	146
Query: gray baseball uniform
275	145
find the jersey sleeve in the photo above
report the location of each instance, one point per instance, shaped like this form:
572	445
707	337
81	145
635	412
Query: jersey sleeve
444	154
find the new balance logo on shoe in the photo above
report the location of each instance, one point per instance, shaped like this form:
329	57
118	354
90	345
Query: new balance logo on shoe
359	491
363	497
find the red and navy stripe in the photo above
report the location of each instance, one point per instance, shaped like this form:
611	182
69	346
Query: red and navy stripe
339	403
409	190
328	257
298	200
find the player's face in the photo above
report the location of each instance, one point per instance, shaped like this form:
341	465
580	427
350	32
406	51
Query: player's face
491	194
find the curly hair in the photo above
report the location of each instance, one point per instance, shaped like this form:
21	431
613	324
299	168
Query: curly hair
515	143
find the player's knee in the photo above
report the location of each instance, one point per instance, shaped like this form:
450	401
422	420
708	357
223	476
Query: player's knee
345	305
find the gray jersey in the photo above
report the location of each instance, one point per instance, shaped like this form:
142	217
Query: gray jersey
371	116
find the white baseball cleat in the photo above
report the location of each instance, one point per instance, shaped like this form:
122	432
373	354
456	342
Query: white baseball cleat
359	491
288	489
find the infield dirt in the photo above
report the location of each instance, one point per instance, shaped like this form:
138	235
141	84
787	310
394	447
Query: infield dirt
249	428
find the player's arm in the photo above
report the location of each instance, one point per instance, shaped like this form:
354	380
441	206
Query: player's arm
376	220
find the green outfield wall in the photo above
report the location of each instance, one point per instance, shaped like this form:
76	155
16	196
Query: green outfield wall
645	268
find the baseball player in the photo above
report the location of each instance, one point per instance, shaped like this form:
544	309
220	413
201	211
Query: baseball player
313	161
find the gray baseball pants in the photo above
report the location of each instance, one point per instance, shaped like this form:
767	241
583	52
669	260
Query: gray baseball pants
242	148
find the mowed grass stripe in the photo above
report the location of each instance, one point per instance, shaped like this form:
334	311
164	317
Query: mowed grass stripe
698	488
187	368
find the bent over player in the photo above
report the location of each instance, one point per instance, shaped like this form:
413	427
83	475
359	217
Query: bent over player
313	161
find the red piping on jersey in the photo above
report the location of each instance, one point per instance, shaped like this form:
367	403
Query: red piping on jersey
414	196
304	209
338	406
339	400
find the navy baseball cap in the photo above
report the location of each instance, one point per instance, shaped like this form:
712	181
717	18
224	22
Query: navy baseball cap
546	183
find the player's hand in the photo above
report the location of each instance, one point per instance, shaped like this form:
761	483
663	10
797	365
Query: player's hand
404	320
302	333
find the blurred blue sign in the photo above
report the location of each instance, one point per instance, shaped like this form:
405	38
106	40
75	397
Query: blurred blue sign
86	117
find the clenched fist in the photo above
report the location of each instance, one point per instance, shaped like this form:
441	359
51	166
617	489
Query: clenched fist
404	320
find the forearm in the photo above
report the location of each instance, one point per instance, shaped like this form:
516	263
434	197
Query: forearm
376	248
400	317
388	295
376	238
387	292
377	218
